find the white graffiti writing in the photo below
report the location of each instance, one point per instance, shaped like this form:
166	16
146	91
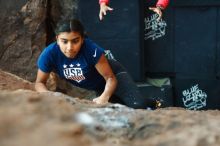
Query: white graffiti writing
154	28
194	98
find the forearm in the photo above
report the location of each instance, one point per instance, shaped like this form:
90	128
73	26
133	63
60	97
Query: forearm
110	87
41	87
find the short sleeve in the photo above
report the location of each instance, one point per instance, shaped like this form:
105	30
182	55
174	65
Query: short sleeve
92	51
44	61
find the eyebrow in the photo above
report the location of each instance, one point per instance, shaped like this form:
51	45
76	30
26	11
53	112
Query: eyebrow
70	40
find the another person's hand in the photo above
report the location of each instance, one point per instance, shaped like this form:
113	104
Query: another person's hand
103	9
100	100
157	10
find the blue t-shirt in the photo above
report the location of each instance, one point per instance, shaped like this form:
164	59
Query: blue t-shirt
80	70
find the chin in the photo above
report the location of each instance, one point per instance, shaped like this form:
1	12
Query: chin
70	56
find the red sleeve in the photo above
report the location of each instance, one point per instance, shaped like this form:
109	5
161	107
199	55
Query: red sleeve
162	3
103	1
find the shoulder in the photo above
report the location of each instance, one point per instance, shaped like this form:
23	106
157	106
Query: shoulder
92	51
53	46
49	53
91	45
88	42
50	49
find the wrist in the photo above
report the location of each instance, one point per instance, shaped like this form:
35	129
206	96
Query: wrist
160	7
104	97
102	4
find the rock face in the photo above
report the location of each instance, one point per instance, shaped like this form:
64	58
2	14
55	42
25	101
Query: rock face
10	82
53	118
23	36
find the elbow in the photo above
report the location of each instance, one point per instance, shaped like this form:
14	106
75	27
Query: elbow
112	81
115	82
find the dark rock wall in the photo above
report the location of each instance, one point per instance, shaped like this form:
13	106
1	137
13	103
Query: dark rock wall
61	9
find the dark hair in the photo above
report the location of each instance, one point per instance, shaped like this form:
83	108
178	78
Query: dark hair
69	26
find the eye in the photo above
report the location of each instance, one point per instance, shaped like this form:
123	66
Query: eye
64	41
75	41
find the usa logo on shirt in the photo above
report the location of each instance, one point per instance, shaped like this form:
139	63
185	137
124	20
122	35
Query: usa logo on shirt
73	72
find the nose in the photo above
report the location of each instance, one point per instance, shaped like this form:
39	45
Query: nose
69	46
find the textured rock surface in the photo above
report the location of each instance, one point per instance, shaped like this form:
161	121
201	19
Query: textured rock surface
53	118
9	81
23	36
